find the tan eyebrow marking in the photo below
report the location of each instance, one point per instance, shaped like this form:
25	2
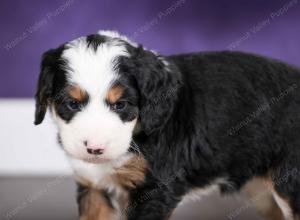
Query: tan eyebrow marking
114	94
77	93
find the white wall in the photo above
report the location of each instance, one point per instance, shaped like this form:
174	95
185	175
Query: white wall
26	149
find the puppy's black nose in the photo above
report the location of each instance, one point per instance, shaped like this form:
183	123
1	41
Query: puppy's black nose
95	151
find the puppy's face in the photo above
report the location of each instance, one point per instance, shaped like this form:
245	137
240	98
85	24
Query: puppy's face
97	92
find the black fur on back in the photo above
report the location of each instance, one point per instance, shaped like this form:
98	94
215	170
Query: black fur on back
234	116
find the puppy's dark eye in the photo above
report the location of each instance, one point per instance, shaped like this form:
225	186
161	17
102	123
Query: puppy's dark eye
120	105
73	105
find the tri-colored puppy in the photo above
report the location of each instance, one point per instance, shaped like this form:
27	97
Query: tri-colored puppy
144	131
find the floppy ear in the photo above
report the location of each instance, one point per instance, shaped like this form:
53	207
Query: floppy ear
49	65
158	81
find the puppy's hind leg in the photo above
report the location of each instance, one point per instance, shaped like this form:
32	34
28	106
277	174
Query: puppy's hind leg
259	191
286	183
285	207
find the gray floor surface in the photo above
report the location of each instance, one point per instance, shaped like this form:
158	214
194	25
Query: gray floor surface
36	198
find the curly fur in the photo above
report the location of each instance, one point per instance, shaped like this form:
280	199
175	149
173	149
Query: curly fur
209	118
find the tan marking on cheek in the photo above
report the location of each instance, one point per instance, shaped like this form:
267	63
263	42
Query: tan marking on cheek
132	173
95	206
114	94
77	93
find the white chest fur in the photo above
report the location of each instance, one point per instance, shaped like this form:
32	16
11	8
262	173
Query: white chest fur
99	175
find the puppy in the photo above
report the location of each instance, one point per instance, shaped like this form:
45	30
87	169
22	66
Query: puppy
145	131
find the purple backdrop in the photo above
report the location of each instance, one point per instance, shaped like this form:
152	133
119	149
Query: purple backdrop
269	27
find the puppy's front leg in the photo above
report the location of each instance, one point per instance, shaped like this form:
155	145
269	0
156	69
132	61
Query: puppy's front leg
93	204
154	203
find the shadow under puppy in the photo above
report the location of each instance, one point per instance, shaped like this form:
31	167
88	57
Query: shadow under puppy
145	131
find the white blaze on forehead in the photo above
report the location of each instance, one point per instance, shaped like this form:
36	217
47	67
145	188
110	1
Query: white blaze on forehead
94	71
115	34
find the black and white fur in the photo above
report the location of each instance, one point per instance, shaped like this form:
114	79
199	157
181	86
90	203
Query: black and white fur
201	120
